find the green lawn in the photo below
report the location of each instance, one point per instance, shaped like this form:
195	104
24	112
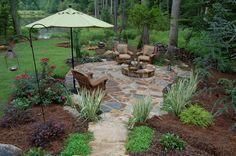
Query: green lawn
42	48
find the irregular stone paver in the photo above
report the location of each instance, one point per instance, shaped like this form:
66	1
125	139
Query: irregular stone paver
110	135
122	93
123	89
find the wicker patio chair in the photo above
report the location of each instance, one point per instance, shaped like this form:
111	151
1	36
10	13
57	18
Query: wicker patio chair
122	53
86	81
147	54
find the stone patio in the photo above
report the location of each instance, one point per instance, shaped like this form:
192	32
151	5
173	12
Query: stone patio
110	132
123	91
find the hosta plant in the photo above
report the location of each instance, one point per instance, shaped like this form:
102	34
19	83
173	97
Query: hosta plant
90	103
21	103
196	115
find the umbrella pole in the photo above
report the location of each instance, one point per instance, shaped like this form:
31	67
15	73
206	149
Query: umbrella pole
72	59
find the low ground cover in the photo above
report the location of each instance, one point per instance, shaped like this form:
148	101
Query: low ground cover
139	139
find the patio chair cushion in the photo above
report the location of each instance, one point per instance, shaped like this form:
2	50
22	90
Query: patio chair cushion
143	58
122	48
124	56
148	50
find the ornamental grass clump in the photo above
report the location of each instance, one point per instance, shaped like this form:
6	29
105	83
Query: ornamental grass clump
90	103
180	95
141	111
196	115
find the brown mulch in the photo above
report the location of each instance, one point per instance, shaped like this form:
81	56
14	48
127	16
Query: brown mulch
215	140
64	45
20	136
157	150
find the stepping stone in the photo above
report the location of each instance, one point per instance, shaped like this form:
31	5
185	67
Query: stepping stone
110	135
105	109
115	105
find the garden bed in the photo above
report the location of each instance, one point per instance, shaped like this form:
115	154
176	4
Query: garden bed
215	140
156	149
20	135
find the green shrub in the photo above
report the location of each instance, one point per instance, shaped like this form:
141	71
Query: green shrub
90	103
36	152
140	139
78	144
170	142
229	100
180	95
21	103
196	115
141	111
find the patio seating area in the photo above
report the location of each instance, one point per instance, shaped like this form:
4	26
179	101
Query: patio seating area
123	91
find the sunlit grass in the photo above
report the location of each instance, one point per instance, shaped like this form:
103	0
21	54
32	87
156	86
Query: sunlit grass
42	48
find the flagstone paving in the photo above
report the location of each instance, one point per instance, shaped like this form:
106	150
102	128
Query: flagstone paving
122	93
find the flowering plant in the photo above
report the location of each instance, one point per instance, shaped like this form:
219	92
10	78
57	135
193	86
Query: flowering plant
47	70
51	90
24	86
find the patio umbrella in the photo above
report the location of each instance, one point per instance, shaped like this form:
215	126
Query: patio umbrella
70	18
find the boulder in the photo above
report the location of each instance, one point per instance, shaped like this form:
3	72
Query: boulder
9	150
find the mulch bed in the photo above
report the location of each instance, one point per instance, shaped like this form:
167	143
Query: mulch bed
20	136
215	140
64	45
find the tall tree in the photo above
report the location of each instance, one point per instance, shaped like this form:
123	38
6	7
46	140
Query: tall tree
145	34
123	14
96	8
14	15
115	15
173	37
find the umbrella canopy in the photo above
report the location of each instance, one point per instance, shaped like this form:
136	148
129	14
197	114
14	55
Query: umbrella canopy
70	18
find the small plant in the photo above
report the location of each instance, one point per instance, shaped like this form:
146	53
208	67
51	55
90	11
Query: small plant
139	139
78	144
196	115
36	152
180	95
44	133
141	111
171	141
21	103
229	100
90	102
24	86
14	117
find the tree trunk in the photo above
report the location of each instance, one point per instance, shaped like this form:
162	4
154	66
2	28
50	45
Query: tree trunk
96	8
15	19
145	35
168	6
173	37
123	14
111	7
115	15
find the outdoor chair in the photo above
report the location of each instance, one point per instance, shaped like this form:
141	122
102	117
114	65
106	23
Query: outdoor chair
86	81
147	54
122	53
